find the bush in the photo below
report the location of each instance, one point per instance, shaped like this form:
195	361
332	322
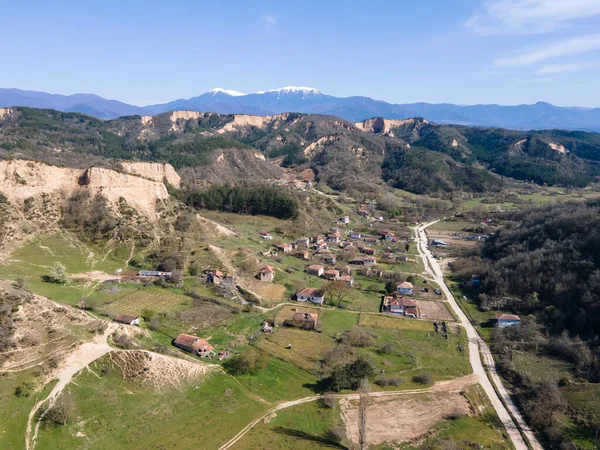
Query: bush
423	378
249	361
389	381
123	341
351	375
456	414
24	389
359	337
61	413
387	348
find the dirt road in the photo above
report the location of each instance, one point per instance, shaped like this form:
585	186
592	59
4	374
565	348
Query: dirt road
476	344
443	386
82	357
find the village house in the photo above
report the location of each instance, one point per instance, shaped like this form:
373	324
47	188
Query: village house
303	242
286	248
315	269
229	278
126	319
405	288
379	218
333	237
369	261
344	270
367	250
345	219
303	254
304	320
265	235
347	244
311	295
400	305
439	243
388	235
195	345
506	320
347	279
329	258
267	274
331	275
363	213
371	240
355	235
214	277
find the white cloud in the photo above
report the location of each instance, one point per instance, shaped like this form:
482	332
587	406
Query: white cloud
270	21
549	69
530	16
557	49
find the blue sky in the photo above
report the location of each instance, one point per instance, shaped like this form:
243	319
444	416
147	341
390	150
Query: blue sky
457	51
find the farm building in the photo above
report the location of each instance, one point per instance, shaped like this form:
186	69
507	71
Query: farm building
331	274
267	274
303	242
286	248
347	279
506	320
126	319
194	344
405	288
369	261
303	254
265	235
315	269
306	321
268	326
214	277
328	258
310	294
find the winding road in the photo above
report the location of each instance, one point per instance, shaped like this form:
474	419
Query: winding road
479	350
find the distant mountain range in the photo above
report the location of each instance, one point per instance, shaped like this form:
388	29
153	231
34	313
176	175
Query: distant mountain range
308	100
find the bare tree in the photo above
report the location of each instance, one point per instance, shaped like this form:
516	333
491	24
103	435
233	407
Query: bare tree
337	291
363	406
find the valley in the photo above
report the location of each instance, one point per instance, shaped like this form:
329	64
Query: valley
233	280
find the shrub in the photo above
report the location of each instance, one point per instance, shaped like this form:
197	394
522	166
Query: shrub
389	381
456	414
423	378
249	361
123	341
387	348
24	389
359	337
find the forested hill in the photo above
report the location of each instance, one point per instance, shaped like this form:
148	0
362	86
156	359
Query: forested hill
549	266
411	154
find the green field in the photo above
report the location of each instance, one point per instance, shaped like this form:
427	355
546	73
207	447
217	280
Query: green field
111	413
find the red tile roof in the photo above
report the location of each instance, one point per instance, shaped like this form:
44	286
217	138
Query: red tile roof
124	318
268	269
310	292
405	285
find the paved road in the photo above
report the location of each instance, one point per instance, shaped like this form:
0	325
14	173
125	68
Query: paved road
477	345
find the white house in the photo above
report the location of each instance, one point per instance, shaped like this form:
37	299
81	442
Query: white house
311	295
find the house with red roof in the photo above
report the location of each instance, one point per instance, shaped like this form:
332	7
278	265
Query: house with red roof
315	269
311	295
195	345
267	274
398	304
506	320
405	288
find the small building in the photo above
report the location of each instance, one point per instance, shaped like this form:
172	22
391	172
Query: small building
347	279
347	244
304	320
329	258
265	235
387	235
333	237
331	275
355	235
506	320
399	305
303	242
315	269
405	288
344	270
214	277
286	248
439	243
154	274
311	295
345	219
268	326
126	319
195	345
367	250
267	274
369	261
379	218
362	213
303	254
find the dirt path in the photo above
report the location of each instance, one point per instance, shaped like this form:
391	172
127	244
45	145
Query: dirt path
443	386
477	345
82	357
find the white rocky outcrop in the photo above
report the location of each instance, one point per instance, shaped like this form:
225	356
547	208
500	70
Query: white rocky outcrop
21	179
153	171
384	126
6	112
247	120
557	147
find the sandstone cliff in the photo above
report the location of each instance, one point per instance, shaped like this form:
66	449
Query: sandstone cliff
380	125
153	171
21	179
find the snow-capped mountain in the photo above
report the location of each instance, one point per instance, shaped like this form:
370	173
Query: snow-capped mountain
310	100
